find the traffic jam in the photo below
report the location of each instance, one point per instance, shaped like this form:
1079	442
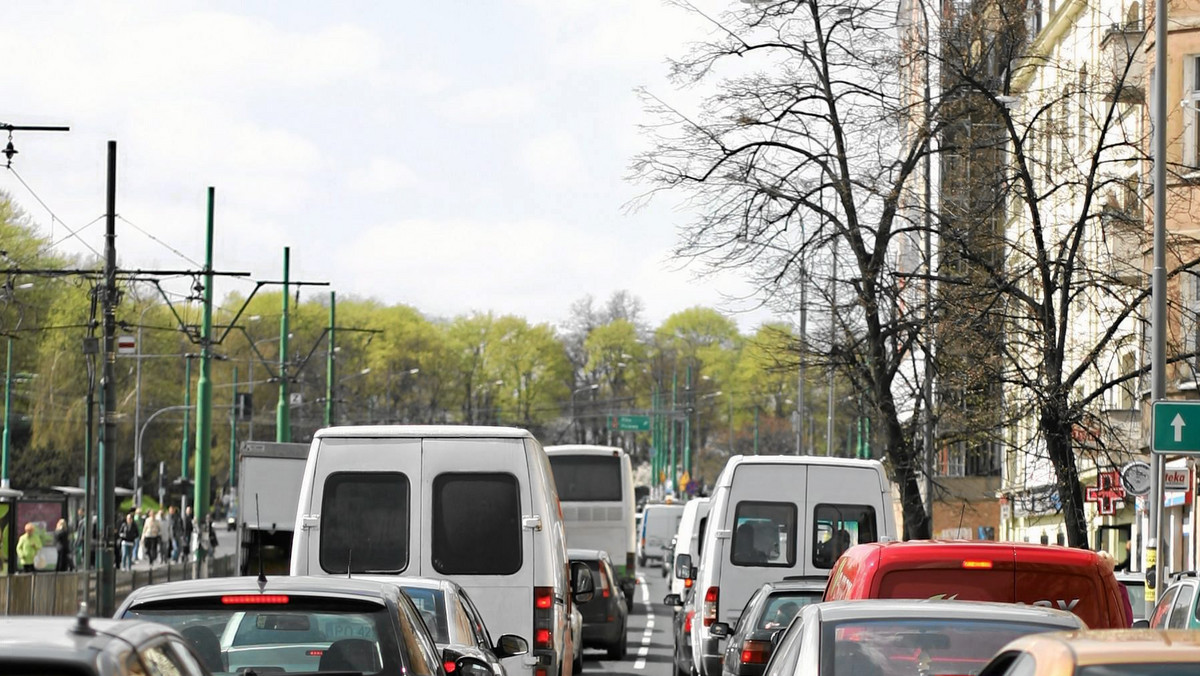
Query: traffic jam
476	551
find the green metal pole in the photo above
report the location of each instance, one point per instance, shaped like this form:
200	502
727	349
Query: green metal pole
7	414
756	430
329	372
687	425
674	465
204	393
654	439
187	421
283	418
233	433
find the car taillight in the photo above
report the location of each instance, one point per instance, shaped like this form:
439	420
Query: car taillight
687	620
756	652
254	599
977	564
543	621
449	666
687	583
542	638
710	605
315	653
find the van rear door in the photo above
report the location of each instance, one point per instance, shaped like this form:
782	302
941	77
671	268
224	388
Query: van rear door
361	509
477	498
1066	586
844	507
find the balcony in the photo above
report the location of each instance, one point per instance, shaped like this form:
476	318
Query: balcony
1121	48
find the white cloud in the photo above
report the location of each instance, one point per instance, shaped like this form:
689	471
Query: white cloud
553	159
381	176
490	103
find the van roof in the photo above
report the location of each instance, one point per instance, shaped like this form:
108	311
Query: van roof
584	449
726	476
928	551
415	431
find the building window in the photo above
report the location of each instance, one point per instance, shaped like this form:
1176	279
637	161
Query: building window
1191	106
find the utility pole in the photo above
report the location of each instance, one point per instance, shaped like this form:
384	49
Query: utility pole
204	393
1158	318
829	406
283	416
184	453
689	410
800	408
233	432
7	414
674	464
329	361
108	399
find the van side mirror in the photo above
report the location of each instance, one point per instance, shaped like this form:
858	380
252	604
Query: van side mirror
583	587
1141	624
719	630
673	600
683	567
510	645
471	666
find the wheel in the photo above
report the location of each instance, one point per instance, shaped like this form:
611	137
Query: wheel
617	650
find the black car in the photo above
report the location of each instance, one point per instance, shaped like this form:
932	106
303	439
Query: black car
770	609
605	616
456	625
681	630
305	624
82	646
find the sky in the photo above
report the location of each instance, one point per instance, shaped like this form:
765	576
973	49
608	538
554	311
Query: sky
453	156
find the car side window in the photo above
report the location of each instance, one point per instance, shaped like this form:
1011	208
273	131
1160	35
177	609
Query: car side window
462	624
1181	608
420	653
485	639
1163	609
747	611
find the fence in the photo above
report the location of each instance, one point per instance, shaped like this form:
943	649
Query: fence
61	593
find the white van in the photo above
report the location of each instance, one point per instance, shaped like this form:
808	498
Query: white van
595	488
475	505
776	517
687	538
659	523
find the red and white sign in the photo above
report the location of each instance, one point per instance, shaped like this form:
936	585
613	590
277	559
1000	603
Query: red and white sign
126	345
1177	479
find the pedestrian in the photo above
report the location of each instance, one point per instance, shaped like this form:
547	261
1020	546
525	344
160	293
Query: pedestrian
62	544
212	533
176	534
189	528
80	533
165	538
139	520
150	536
127	536
28	547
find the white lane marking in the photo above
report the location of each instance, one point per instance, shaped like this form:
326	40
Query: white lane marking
640	664
645	649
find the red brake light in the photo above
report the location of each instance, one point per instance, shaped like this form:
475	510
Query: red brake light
449	666
254	599
687	620
710	596
315	653
756	652
542	637
976	564
710	605
543	597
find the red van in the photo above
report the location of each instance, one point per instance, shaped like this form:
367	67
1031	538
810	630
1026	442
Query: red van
1077	580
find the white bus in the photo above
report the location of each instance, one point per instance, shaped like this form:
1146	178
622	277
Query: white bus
595	488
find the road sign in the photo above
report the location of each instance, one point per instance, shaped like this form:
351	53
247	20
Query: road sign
296	398
1135	477
126	345
1175	427
629	423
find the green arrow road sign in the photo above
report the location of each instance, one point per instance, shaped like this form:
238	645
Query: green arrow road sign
629	423
1175	427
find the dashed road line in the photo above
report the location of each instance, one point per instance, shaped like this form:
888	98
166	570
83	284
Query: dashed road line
649	633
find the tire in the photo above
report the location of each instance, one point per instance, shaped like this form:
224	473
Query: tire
617	650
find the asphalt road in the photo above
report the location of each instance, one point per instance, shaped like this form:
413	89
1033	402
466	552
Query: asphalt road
650	641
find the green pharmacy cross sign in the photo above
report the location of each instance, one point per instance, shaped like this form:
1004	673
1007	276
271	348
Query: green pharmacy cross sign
1175	427
629	423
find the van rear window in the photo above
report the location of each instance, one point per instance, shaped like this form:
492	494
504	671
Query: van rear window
948	583
587	478
764	534
476	524
838	527
364	522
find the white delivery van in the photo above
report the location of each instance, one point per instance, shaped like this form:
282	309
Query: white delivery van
475	505
774	517
595	488
687	539
659	523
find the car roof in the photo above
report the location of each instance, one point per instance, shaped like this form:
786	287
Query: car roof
24	637
584	449
587	554
1116	646
349	588
417	582
806	584
938	550
866	609
422	431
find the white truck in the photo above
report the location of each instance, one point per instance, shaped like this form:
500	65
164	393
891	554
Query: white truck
269	477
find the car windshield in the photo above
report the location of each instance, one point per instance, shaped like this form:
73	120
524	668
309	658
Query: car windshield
293	635
432	604
916	647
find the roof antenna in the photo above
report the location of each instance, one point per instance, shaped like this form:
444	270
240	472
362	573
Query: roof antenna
961	513
258	549
349	555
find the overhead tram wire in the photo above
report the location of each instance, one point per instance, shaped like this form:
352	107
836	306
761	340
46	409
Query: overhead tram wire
53	216
166	246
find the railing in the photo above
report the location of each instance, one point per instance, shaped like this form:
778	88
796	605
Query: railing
61	593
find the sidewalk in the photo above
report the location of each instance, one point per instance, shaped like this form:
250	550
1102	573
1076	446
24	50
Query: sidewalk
225	542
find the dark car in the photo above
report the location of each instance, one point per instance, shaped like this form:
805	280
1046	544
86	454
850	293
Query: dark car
682	630
81	646
456	625
769	610
605	615
302	624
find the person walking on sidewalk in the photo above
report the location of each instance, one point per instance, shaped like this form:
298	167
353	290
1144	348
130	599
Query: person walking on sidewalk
165	537
189	527
151	531
28	547
176	535
127	535
62	545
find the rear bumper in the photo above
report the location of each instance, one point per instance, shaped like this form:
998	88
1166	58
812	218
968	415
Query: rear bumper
601	633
